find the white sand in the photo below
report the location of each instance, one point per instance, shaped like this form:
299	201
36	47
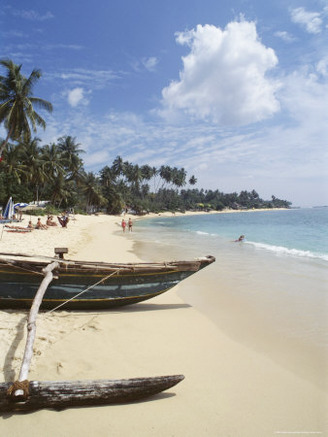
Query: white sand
229	390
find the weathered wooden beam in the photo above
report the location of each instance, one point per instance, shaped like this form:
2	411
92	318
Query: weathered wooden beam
64	394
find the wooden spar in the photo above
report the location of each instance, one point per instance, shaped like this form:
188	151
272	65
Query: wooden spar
185	265
31	326
64	394
24	395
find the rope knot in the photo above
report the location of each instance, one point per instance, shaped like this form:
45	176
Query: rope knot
19	385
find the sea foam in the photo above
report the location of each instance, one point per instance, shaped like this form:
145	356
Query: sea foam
280	250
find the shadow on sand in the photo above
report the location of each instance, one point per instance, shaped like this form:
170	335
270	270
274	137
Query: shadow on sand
8	370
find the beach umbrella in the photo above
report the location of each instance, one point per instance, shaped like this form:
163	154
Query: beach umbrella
9	209
20	205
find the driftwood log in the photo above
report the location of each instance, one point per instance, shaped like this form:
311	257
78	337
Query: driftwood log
31	329
24	395
64	394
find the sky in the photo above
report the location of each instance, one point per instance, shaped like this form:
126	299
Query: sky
236	91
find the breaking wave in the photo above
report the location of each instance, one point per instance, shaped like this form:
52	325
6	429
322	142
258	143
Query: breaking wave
280	250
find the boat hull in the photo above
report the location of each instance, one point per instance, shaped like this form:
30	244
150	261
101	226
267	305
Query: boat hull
99	287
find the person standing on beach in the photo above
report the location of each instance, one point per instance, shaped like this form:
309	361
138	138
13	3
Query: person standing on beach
130	224
123	224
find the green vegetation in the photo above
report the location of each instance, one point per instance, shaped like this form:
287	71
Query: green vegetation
17	103
55	172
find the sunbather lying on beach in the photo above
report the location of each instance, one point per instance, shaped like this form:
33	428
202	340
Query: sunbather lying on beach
19	228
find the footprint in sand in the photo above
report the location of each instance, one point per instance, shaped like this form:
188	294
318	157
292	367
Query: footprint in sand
59	368
94	327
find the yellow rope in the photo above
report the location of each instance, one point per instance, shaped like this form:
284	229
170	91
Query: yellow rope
19	385
83	291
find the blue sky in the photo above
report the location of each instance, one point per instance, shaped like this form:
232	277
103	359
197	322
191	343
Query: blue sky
236	91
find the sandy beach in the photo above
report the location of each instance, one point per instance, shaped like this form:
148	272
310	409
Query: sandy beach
229	389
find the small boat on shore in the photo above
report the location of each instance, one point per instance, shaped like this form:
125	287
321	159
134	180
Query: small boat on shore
83	285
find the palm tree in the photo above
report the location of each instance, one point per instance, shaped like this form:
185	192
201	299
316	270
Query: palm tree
179	177
165	173
60	190
17	103
156	180
107	177
147	172
135	176
34	165
118	166
53	161
123	189
127	172
70	150
12	164
92	191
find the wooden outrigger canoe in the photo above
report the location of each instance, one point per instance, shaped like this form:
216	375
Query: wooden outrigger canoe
89	285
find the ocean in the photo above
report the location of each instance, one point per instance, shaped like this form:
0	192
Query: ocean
269	292
295	232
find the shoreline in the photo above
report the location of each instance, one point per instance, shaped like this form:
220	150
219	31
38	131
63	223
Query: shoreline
243	313
190	213
229	389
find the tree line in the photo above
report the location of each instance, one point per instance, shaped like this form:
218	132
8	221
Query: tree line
55	172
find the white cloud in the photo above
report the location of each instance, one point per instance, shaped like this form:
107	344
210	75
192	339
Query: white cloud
33	15
12	33
63	46
285	156
305	97
285	36
322	67
150	63
279	156
76	97
79	77
224	76
310	20
99	158
139	65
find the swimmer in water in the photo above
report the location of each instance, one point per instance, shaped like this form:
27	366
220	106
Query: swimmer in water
241	238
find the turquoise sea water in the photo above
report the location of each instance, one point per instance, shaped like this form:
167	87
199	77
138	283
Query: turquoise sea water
295	232
269	292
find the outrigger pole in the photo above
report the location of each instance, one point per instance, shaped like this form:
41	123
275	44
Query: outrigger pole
24	395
